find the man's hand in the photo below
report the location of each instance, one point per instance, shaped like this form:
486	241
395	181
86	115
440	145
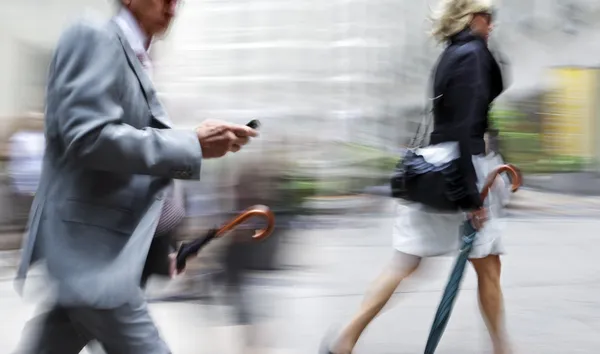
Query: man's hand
217	138
173	272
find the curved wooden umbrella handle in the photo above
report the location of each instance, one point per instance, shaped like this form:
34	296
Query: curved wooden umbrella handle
515	179
187	250
256	210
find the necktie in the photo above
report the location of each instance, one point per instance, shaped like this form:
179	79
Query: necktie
146	63
143	60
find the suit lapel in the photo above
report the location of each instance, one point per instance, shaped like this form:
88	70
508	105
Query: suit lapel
156	109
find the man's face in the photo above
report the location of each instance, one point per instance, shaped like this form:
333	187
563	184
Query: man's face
154	16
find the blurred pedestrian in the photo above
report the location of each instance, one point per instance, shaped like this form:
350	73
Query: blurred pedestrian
257	184
26	151
466	80
105	190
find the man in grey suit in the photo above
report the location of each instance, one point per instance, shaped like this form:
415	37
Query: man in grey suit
111	155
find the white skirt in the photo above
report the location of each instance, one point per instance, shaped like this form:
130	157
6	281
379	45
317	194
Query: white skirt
424	233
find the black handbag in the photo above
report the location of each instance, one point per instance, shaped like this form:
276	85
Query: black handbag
429	175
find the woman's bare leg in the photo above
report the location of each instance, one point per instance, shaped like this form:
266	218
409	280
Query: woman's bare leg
377	296
491	302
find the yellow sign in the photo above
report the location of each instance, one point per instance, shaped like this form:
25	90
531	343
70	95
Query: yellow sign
569	124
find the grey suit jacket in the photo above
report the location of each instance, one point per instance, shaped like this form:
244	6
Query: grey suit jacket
110	153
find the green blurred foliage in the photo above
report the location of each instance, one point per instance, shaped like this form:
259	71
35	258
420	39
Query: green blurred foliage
364	166
521	144
558	164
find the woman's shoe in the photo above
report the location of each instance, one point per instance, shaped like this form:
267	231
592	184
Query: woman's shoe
325	348
327	342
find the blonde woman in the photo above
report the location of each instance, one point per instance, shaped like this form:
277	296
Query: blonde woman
467	79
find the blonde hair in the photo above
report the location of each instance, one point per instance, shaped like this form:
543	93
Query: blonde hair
453	16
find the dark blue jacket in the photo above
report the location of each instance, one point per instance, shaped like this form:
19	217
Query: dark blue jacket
466	81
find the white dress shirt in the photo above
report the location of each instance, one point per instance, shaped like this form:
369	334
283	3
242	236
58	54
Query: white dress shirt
135	37
137	40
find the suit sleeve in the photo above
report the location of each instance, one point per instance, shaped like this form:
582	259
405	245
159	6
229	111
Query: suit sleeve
464	92
87	84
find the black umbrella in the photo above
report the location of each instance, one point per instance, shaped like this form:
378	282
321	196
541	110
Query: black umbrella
444	310
187	250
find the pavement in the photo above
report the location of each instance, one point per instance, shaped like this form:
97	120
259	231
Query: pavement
531	202
551	284
528	202
578	183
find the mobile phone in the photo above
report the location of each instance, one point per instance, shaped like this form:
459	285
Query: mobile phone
254	124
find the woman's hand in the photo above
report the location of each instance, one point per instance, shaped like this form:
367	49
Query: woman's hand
478	218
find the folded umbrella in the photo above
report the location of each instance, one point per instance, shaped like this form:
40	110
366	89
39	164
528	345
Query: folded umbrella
444	310
191	249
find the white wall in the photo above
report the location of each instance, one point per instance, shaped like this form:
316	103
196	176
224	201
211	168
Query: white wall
7	64
279	58
29	28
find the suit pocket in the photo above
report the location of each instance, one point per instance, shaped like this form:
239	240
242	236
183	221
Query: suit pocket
118	220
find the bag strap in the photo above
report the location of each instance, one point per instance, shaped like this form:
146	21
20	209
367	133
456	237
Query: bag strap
425	124
413	142
427	118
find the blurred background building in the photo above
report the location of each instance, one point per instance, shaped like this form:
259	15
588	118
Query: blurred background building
354	67
29	30
327	69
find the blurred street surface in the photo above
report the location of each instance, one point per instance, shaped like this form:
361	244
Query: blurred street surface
582	183
530	202
551	280
525	203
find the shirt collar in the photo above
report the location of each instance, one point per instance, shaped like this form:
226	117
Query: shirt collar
133	33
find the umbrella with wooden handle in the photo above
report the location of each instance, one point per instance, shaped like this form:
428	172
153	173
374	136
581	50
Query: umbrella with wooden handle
191	249
469	234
